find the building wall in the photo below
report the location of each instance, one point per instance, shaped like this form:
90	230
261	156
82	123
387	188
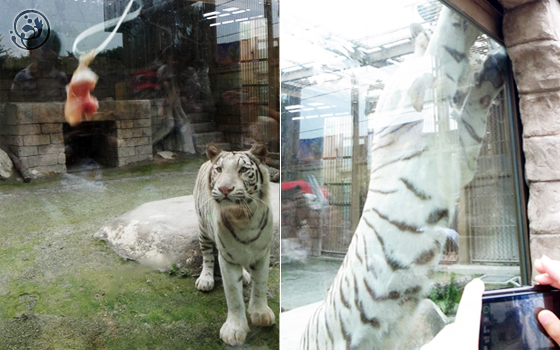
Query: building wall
532	37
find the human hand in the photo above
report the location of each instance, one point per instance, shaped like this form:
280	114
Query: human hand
549	274
464	332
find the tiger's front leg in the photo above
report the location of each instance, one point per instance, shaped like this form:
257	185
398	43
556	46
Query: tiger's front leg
205	282
235	329
261	314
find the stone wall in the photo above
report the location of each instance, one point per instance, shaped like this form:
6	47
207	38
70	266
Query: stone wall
34	132
532	37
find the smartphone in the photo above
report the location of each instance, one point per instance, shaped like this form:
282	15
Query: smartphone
509	318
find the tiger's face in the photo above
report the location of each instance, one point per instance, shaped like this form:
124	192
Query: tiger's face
236	178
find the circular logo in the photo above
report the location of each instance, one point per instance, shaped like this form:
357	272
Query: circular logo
31	30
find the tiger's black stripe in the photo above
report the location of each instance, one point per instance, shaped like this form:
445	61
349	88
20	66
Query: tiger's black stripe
437	215
398	224
410	186
262	225
457	55
381	191
369	266
392	263
471	131
359	305
409	157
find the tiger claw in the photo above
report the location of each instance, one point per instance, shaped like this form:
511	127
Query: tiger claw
263	318
204	283
234	333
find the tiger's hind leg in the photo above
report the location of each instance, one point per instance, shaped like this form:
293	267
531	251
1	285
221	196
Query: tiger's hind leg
261	314
205	282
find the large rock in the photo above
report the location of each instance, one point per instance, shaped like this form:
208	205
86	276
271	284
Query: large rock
426	323
162	233
6	166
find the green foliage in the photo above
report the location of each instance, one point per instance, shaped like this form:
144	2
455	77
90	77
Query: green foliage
176	271
446	295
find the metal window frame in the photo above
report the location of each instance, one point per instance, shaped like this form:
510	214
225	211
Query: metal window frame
488	16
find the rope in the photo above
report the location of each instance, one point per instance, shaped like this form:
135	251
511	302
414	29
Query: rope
101	27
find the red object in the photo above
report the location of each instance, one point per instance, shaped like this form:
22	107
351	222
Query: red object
144	80
79	102
304	186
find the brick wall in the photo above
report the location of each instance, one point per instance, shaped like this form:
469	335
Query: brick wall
532	37
33	131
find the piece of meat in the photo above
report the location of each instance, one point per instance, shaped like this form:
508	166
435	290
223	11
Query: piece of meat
79	102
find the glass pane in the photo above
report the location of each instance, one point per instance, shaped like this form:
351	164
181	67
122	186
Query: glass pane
176	76
396	156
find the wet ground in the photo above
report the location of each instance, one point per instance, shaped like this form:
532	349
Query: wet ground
62	289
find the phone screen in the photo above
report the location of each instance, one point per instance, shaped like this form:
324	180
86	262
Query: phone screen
509	321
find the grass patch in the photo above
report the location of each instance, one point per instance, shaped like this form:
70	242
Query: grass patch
62	289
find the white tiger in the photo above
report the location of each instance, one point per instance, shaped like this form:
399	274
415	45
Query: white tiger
233	206
414	185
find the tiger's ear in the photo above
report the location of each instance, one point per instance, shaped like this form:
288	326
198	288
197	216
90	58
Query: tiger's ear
212	150
260	151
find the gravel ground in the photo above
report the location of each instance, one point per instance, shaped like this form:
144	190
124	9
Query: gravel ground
62	289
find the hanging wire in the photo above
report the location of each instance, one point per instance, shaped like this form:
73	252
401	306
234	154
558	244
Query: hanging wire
101	26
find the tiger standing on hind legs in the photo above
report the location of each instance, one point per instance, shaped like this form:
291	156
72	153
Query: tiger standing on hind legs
415	181
234	213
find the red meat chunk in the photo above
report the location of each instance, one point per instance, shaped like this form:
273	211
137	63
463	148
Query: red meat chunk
80	103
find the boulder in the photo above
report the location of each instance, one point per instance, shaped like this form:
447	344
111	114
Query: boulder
163	233
6	166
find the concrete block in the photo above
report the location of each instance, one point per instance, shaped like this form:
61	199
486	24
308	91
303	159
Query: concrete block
543	210
107	107
126	124
49	112
543	17
144	149
540	113
28	129
51	128
535	66
138	141
126	151
20	113
62	158
57	138
51	148
129	133
35	140
52	169
47	159
147	132
26	151
12	140
143	123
